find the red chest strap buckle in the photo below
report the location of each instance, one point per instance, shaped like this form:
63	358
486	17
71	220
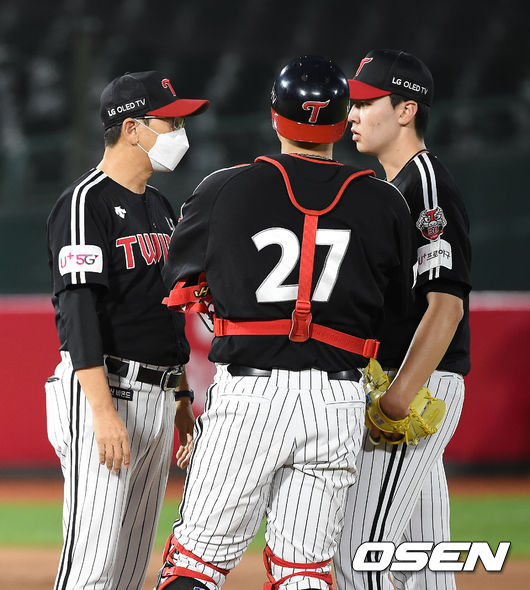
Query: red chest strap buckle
301	323
300	327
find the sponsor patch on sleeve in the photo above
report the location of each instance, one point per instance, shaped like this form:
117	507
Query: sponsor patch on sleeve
80	259
434	255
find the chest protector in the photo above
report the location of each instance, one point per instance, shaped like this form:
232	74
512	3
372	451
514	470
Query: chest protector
299	327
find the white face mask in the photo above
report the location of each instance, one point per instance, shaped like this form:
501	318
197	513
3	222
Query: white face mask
168	150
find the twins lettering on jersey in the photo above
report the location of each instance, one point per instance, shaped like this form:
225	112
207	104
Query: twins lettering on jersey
89	258
78	257
152	247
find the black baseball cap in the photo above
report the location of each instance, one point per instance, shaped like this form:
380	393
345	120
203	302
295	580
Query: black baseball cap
390	71
145	93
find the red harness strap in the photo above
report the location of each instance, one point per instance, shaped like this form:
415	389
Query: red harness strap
273	584
301	318
190	298
366	348
300	327
174	571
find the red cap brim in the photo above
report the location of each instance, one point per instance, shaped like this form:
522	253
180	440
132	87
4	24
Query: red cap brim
361	91
307	131
183	107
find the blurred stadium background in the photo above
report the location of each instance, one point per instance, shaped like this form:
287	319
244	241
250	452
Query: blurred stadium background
55	58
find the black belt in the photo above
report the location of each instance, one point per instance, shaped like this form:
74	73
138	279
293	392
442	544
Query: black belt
167	380
242	371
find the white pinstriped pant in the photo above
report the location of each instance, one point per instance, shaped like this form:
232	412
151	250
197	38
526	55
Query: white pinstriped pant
109	519
283	446
401	495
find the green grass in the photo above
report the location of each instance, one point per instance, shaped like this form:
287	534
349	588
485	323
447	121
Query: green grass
481	518
40	524
26	524
493	519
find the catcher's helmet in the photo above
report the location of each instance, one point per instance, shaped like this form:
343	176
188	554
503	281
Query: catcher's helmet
310	100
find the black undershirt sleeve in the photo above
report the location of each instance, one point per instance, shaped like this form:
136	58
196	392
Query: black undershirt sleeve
446	286
79	316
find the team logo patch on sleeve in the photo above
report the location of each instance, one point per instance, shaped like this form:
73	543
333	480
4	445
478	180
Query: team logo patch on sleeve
431	223
80	259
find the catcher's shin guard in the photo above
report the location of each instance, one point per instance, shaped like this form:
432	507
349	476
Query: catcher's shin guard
303	570
175	576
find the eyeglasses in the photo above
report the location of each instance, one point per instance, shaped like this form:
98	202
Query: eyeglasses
174	122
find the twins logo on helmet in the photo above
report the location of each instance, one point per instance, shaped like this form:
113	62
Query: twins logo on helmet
315	107
322	82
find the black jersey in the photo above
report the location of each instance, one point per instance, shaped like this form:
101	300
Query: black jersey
241	228
102	235
443	259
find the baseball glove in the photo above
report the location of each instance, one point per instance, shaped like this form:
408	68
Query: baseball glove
425	416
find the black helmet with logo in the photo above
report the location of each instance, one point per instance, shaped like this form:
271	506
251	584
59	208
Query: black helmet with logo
310	100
